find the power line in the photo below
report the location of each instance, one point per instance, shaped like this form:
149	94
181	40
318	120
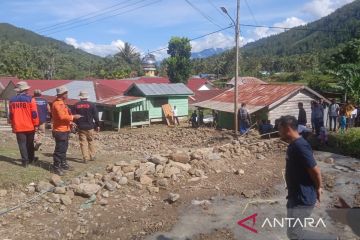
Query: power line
296	28
251	12
80	17
106	17
196	38
202	13
85	20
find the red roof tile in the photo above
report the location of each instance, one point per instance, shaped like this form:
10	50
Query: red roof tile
246	80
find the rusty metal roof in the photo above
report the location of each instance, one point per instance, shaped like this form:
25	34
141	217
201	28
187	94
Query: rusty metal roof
246	80
256	96
119	101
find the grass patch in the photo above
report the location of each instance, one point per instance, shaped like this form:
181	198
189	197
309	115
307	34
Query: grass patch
346	144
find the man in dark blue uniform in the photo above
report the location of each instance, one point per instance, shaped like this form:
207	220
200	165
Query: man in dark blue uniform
43	111
303	177
86	126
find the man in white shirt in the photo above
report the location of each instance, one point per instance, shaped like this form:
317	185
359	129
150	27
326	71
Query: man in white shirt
175	116
333	114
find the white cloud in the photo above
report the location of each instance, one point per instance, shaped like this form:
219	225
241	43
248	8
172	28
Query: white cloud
217	40
322	8
97	49
291	22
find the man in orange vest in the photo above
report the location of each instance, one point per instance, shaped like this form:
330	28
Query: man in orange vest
62	120
24	119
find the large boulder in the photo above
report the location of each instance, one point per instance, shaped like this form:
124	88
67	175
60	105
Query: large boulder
87	189
44	187
158	159
181	157
185	167
56	180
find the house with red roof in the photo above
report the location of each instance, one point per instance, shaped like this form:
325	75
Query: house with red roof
199	84
263	101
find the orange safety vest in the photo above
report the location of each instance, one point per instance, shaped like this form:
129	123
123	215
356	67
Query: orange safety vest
23	113
61	116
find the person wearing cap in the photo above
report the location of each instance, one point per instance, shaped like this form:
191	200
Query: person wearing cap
62	120
86	126
43	108
24	120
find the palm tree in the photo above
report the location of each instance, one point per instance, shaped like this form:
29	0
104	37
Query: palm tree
129	54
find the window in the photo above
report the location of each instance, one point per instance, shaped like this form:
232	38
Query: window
158	102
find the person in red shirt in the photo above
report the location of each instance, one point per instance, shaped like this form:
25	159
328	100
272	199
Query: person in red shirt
24	120
62	120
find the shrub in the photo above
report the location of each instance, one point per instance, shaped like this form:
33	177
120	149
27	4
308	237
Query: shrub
348	143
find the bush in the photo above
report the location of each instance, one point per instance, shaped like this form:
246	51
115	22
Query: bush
348	143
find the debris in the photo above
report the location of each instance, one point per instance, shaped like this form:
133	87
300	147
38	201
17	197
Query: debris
56	181
239	172
44	186
158	159
89	202
103	202
87	189
173	197
65	199
60	190
3	192
329	161
200	202
180	157
145	180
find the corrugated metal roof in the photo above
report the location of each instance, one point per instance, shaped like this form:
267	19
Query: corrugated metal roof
200	96
246	80
196	83
154	89
74	88
225	106
255	96
120	100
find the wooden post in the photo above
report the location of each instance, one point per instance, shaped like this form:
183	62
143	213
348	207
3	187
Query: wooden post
119	122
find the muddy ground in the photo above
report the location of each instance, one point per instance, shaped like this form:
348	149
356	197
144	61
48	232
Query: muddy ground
211	199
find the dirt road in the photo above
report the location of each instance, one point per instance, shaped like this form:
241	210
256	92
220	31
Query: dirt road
214	184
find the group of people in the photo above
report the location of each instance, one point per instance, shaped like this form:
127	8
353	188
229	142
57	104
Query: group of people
340	118
29	115
196	119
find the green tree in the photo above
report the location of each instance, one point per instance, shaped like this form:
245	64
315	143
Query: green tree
179	64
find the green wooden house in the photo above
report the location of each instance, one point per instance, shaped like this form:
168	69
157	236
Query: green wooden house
156	95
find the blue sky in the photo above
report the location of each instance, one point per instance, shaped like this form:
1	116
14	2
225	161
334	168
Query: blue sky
149	24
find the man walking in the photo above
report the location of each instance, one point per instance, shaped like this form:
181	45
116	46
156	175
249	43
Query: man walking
333	114
303	177
43	111
62	120
86	126
24	120
302	120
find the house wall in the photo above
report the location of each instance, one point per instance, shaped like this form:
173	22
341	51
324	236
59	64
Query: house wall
182	105
290	107
180	102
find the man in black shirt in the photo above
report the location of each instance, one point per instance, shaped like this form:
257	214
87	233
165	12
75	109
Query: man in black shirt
302	114
86	126
303	177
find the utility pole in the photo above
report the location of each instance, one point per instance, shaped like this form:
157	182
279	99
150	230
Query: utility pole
236	93
237	67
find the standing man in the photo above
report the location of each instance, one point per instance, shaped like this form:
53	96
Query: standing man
244	119
333	114
175	116
302	120
24	119
62	120
86	126
319	117
303	177
43	111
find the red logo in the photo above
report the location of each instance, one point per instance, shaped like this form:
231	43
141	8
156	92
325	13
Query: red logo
242	223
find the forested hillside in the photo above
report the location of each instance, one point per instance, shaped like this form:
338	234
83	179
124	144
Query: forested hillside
296	52
28	55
